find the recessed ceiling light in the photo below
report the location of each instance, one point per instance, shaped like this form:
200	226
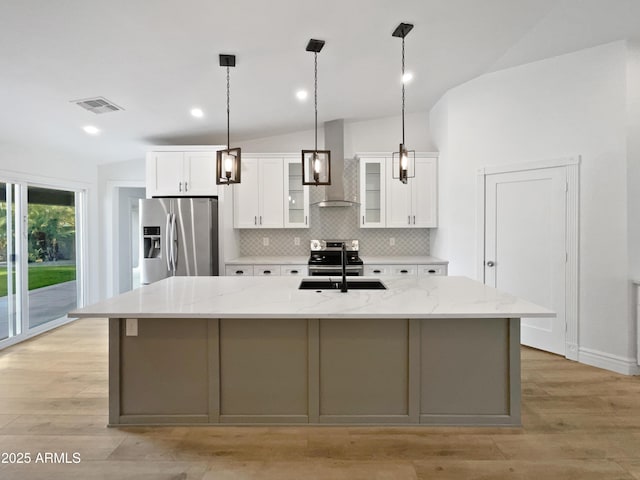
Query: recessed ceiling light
91	130
407	77
197	112
302	95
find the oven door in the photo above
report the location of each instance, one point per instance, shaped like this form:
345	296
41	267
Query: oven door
335	270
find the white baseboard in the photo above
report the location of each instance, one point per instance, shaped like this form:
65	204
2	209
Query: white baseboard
615	363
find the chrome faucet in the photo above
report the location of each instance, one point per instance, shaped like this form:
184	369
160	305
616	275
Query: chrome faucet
343	257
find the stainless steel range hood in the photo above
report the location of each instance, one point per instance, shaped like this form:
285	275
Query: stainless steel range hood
335	195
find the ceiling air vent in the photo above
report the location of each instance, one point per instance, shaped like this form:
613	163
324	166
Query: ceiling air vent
97	105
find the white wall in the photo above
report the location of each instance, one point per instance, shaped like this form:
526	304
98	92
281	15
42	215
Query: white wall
567	106
377	135
633	158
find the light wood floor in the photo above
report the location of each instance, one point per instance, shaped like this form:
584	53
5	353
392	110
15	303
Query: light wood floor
579	423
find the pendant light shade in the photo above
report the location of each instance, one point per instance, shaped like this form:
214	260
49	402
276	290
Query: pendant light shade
404	161
228	161
316	164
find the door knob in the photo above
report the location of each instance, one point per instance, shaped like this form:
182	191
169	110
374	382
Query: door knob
490	263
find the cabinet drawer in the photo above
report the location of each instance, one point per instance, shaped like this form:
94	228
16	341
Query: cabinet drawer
377	270
300	270
404	269
246	270
432	269
266	270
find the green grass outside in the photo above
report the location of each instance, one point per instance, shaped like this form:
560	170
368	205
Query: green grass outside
41	276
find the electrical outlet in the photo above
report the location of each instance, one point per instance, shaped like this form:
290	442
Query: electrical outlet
392	242
131	327
296	240
265	241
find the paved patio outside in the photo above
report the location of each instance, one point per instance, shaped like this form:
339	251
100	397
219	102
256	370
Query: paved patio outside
45	304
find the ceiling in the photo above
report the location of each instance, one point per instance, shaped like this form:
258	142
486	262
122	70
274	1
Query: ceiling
159	58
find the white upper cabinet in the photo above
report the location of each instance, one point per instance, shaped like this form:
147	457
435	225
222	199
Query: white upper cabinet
386	202
257	200
200	173
296	195
413	204
174	173
372	193
424	193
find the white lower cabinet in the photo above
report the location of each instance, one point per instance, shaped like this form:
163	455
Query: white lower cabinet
300	270
266	270
399	270
246	270
432	269
404	270
373	270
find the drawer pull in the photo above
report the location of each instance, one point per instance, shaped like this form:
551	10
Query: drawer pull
404	271
239	272
431	271
267	272
376	271
294	272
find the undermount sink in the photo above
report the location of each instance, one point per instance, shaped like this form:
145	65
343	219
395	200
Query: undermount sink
330	284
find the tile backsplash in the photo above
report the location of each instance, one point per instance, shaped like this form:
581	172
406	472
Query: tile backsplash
335	223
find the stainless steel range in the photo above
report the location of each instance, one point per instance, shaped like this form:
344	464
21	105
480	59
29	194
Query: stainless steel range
326	258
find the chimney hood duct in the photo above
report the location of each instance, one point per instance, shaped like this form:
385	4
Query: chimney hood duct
335	194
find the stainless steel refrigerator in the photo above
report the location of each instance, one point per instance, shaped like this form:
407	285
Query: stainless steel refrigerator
179	237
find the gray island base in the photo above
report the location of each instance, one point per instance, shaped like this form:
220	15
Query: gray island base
228	350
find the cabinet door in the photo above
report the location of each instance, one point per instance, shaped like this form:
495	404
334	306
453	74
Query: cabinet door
296	195
377	270
398	194
266	270
239	270
404	269
425	270
424	194
200	173
271	189
245	195
372	193
293	270
164	173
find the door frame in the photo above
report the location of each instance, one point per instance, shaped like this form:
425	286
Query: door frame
111	223
83	195
572	166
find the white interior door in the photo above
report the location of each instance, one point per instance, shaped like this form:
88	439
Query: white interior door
525	247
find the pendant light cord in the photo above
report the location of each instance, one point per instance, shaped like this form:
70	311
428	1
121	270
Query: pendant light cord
315	95
228	143
402	78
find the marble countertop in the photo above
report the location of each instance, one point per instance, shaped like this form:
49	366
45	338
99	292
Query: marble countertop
259	260
279	297
402	260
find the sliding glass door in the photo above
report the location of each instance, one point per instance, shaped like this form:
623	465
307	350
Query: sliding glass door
51	233
39	252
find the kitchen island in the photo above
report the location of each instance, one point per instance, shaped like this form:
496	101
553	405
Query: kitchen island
255	350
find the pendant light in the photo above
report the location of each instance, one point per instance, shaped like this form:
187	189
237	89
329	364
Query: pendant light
228	161
403	157
316	164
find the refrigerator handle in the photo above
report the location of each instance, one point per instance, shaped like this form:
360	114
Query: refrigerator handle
174	240
167	243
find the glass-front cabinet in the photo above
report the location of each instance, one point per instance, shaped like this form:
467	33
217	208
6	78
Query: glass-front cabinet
296	200
372	192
